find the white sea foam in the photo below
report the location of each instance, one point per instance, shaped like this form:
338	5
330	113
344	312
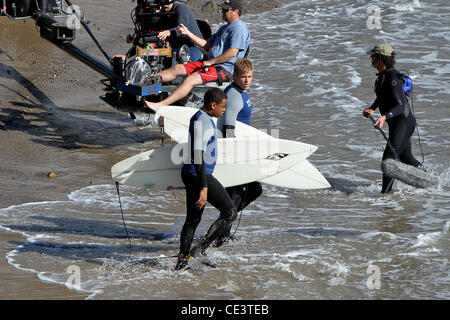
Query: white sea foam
426	240
409	6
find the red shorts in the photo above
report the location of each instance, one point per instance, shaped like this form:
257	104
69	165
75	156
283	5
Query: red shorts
208	73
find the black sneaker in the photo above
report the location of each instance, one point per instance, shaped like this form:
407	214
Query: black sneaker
197	251
220	242
182	263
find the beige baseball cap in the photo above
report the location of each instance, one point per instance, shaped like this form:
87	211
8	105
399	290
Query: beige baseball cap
382	48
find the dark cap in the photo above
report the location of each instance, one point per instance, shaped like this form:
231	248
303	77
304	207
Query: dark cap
382	48
232	4
164	2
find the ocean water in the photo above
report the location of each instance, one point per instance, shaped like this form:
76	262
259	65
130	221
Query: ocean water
312	81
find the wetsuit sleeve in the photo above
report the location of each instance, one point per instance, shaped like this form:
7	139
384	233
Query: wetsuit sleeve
234	106
395	86
375	104
199	148
200	169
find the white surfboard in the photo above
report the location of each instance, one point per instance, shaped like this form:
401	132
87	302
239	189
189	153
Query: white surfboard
176	119
303	175
239	161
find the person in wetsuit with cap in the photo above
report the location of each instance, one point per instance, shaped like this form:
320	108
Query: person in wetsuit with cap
239	108
201	186
394	108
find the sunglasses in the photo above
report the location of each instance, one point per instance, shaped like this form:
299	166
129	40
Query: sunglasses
227	10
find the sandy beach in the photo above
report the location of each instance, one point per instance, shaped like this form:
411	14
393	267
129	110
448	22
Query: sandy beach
41	88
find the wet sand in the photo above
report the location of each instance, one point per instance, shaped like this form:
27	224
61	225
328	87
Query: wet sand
47	100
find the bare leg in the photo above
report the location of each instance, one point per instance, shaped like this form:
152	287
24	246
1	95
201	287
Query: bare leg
172	73
191	81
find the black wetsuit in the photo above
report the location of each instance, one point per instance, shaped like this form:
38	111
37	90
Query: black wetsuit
392	102
218	197
197	175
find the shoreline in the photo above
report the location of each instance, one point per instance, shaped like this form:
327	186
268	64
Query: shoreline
250	7
37	137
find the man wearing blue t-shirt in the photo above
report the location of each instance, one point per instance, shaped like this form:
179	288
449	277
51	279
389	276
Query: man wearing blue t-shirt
223	48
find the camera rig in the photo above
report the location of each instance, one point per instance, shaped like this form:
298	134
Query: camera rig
52	16
148	22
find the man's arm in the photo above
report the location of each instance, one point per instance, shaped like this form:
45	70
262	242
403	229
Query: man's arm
200	169
234	106
199	147
205	45
396	90
224	57
198	41
228	131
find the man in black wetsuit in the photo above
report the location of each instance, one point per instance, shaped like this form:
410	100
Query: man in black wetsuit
201	186
394	108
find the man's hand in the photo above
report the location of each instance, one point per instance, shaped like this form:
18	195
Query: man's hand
201	202
367	112
122	56
183	30
207	63
163	35
380	122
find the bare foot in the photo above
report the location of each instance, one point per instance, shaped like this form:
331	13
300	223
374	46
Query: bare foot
152	105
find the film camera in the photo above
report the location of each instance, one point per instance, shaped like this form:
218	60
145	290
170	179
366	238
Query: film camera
148	22
25	8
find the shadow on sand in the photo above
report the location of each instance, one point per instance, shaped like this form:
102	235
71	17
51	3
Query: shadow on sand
58	127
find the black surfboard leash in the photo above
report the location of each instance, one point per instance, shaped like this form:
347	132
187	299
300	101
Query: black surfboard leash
123	220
